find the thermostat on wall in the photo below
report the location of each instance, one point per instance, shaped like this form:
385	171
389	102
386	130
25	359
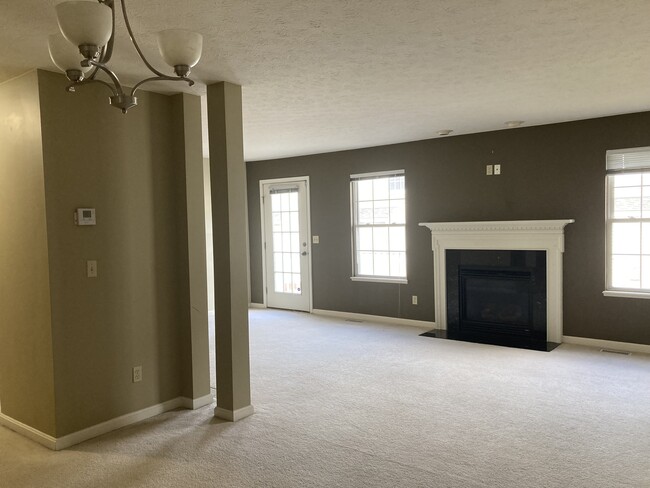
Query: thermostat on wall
84	216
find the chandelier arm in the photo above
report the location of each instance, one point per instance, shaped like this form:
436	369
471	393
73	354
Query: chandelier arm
137	48
95	68
110	87
118	86
161	78
71	87
107	51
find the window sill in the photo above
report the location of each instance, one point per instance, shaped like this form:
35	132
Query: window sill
626	294
378	279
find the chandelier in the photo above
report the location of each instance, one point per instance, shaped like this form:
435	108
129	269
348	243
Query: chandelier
85	46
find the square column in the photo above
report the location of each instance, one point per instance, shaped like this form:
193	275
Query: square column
229	221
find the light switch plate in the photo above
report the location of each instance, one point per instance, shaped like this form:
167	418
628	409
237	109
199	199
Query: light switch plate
488	170
315	239
91	269
497	169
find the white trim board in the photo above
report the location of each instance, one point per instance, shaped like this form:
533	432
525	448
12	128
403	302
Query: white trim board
58	443
27	431
374	318
601	343
234	415
256	305
196	403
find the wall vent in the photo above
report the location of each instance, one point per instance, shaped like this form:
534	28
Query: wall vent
614	351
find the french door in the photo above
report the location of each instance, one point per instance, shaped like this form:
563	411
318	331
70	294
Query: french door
286	243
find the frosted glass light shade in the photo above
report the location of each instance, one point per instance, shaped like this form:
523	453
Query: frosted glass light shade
180	47
83	22
64	55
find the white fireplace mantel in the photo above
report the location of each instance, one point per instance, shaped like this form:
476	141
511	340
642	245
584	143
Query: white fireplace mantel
527	235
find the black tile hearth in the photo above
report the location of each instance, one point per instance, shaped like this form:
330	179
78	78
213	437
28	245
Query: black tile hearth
491	340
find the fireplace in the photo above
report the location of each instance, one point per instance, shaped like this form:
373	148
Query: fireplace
497	297
487	272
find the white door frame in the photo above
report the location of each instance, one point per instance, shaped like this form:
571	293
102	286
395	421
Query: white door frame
305	179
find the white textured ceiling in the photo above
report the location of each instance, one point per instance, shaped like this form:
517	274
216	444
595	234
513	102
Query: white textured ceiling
326	75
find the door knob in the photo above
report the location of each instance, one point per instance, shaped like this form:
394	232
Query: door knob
304	253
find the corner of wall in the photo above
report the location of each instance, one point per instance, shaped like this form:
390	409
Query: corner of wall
26	355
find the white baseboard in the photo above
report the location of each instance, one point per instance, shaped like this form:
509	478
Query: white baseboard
29	432
375	318
618	346
58	443
234	415
194	403
117	423
256	305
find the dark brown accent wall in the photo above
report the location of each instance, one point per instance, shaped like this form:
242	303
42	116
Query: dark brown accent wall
548	172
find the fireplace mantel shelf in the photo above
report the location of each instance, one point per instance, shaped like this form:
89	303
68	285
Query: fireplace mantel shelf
499	226
542	235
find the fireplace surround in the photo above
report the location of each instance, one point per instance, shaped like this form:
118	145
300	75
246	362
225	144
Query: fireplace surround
546	236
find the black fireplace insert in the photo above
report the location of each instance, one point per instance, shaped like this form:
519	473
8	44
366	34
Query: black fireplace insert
497	297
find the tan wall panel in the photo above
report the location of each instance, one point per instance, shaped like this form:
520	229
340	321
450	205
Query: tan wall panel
26	371
135	311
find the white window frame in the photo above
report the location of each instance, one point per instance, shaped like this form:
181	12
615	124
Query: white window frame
622	161
353	218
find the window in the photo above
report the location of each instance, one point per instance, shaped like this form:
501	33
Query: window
378	226
628	221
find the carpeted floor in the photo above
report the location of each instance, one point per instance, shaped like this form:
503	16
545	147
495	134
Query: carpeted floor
342	404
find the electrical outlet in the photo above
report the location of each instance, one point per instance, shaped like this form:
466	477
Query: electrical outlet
497	169
488	170
414	299
91	269
137	374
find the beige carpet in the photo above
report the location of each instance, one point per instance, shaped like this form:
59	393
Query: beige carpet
343	404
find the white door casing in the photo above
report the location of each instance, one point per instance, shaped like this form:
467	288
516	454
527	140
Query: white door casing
286	243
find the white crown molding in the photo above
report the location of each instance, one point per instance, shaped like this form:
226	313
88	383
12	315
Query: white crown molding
234	415
375	318
533	235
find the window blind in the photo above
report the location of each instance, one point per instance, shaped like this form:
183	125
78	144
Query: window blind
283	190
628	160
381	174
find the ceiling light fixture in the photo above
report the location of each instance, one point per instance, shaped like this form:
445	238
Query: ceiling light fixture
511	124
86	45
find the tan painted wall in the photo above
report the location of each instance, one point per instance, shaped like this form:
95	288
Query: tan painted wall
136	312
26	368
